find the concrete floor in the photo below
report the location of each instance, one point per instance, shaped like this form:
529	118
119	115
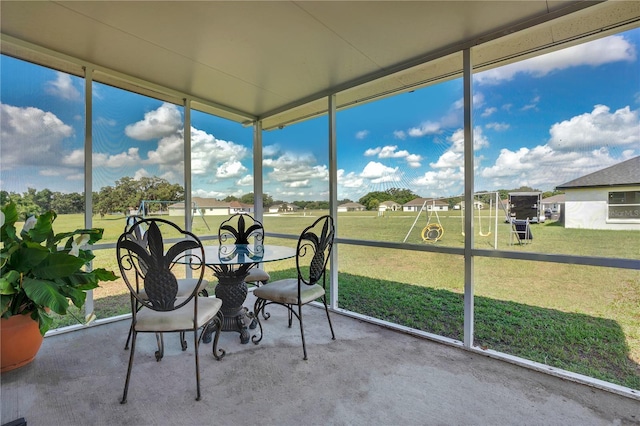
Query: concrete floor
369	376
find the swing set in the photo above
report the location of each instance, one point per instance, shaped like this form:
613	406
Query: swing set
432	232
478	207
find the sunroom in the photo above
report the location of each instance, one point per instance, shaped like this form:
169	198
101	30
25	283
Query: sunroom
314	104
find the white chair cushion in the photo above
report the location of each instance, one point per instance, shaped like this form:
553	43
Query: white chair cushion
185	287
180	319
286	291
257	274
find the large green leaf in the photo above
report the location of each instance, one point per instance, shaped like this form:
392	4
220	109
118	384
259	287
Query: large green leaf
43	229
9	282
58	265
28	256
77	296
46	293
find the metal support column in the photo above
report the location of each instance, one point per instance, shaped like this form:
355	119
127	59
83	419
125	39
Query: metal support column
88	167
467	67
257	171
188	211
333	197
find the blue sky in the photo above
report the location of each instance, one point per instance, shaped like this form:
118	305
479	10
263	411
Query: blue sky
539	122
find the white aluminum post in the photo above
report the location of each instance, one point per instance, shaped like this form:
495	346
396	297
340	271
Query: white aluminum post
188	211
333	197
257	171
468	198
88	168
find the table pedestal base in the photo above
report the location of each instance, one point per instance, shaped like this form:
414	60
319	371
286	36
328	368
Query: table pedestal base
232	290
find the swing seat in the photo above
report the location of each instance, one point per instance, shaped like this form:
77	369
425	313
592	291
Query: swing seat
432	232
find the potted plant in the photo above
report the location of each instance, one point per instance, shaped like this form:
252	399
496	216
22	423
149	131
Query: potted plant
38	277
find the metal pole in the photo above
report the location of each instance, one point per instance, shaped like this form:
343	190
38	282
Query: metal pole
468	198
333	197
257	172
88	168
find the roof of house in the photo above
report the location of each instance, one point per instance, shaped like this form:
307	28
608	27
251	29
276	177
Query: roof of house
421	201
625	173
558	198
283	205
352	205
389	203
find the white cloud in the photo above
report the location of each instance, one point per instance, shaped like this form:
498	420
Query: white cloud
62	87
129	158
391	152
497	126
532	105
597	128
414	160
170	151
489	111
372	151
35	135
296	170
457	140
141	173
164	121
230	169
379	173
209	153
478	101
270	150
602	51
362	134
202	193
349	180
245	181
440	182
426	128
399	134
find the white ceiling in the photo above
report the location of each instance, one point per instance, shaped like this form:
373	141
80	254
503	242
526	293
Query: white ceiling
278	60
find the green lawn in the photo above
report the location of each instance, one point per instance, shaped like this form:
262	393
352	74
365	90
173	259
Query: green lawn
580	318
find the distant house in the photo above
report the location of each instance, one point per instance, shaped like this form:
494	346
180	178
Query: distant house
211	207
351	207
429	204
389	206
606	199
477	204
283	208
554	203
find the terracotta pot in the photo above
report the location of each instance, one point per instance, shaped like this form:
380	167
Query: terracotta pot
20	341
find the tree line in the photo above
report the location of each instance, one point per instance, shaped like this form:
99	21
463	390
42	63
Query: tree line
129	193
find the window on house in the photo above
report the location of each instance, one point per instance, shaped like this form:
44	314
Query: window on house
624	205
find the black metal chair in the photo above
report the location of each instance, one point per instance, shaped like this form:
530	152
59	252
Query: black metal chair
185	285
313	252
242	228
148	266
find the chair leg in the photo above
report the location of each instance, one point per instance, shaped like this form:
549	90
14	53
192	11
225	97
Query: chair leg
326	309
160	351
290	314
126	383
304	346
133	306
183	340
126	345
196	346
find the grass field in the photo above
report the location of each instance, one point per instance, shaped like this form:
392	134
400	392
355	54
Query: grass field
584	319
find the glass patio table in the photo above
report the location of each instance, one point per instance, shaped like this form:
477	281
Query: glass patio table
231	264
